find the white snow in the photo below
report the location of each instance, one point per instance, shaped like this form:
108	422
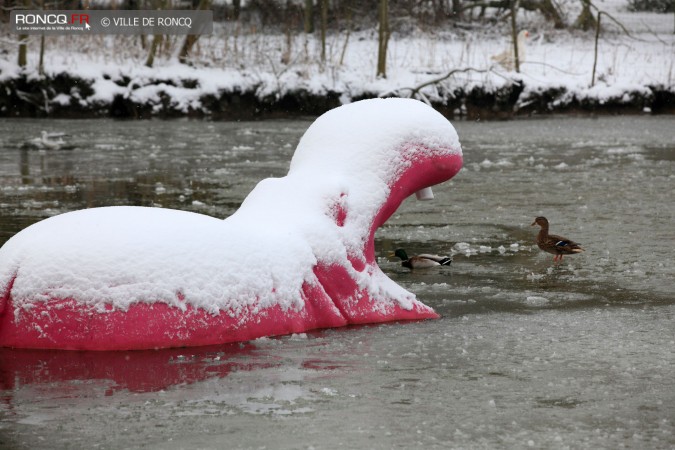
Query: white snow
258	257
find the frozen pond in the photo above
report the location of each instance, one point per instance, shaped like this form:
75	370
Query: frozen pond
579	354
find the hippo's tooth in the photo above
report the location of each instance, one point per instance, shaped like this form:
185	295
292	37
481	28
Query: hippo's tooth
425	194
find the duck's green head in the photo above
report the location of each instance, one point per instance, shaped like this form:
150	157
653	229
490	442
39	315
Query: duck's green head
401	254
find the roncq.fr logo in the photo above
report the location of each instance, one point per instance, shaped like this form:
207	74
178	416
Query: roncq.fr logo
51	19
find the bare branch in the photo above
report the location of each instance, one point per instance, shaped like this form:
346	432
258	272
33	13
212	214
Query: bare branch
616	21
538	63
415	91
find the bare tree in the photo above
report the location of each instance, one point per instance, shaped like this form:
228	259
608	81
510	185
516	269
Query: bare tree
236	9
23	41
383	38
190	39
41	61
514	33
156	42
348	15
324	25
550	12
595	48
309	16
546	7
457	9
586	20
23	58
597	36
156	39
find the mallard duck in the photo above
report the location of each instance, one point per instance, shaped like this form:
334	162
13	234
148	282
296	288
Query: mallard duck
422	261
551	243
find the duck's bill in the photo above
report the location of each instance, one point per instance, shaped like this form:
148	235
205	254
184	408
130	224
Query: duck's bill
425	194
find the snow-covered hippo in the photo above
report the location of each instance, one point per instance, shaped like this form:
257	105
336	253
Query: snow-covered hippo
298	254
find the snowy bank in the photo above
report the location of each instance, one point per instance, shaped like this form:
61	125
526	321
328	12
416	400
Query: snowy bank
211	93
240	74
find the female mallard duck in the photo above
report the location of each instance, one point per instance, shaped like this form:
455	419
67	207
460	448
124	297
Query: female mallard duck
556	245
422	261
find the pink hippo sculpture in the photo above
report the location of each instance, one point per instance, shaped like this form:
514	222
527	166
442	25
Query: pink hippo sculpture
298	254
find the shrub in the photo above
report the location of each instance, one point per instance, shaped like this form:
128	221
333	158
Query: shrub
660	6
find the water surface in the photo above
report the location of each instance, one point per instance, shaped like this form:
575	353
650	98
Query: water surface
579	354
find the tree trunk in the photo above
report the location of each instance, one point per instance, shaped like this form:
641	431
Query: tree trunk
383	38
595	51
23	41
324	25
348	32
41	63
309	16
190	39
457	9
550	12
514	33
236	9
439	10
585	21
186	48
23	59
156	42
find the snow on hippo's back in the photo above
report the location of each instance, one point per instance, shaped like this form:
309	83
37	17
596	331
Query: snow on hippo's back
293	253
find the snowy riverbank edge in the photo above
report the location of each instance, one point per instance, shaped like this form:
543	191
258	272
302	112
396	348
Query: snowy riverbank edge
190	94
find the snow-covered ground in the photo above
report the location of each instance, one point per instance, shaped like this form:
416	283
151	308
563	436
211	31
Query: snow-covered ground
236	58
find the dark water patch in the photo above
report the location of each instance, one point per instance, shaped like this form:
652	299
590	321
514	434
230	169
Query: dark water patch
660	153
566	402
